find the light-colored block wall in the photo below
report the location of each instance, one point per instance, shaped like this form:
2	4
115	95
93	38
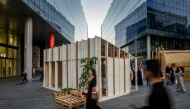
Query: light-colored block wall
60	72
73	51
64	52
73	78
109	76
61	52
64	79
127	75
55	54
92	47
50	51
80	50
46	74
85	48
117	76
121	76
70	79
53	73
45	55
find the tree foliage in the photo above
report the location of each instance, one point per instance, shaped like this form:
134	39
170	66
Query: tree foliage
87	64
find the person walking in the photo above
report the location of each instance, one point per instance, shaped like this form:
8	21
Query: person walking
172	79
161	77
176	70
42	74
158	98
139	74
131	77
91	101
168	76
133	80
180	86
25	74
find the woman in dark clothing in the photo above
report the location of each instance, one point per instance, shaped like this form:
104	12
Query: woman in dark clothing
133	81
91	103
168	75
42	74
140	82
172	79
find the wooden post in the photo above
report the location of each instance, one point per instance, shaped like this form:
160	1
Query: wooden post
88	47
52	54
46	55
59	53
76	64
67	65
113	55
124	72
152	54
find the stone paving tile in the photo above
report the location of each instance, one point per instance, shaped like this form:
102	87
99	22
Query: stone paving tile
33	96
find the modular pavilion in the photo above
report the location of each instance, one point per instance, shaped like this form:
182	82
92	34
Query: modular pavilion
62	67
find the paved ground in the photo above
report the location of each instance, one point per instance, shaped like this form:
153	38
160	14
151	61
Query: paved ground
33	96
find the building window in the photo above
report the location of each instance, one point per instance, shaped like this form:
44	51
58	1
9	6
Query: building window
162	42
154	42
3	37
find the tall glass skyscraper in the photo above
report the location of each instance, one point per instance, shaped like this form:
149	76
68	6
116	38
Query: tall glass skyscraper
155	23
27	27
66	16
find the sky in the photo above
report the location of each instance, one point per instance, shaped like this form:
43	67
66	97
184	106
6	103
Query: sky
95	12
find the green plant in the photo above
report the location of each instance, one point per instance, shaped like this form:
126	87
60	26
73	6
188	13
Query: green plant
87	64
66	91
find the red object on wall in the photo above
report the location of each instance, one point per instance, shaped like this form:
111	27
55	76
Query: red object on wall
173	64
51	40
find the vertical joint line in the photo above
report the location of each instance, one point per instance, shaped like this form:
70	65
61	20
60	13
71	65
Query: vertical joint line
67	63
88	47
76	64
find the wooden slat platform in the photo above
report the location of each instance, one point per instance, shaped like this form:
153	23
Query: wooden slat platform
69	101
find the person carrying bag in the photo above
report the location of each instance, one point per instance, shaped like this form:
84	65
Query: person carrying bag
92	97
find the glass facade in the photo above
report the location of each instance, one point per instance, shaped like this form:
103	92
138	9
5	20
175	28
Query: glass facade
66	16
8	53
167	22
119	10
169	17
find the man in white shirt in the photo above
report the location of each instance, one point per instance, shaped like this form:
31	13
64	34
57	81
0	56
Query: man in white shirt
25	74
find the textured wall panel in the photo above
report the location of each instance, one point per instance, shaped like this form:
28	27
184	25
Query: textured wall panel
121	80
64	52
61	53
80	49
69	52
73	51
92	47
70	74
53	73
74	73
85	48
55	54
110	76
127	74
45	56
79	71
64	79
49	54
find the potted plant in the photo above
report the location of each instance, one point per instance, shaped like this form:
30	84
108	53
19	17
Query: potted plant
66	91
87	64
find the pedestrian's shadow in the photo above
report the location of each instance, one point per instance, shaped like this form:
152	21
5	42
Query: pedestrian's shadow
35	80
20	83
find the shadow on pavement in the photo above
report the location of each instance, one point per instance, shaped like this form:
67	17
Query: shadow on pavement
20	83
